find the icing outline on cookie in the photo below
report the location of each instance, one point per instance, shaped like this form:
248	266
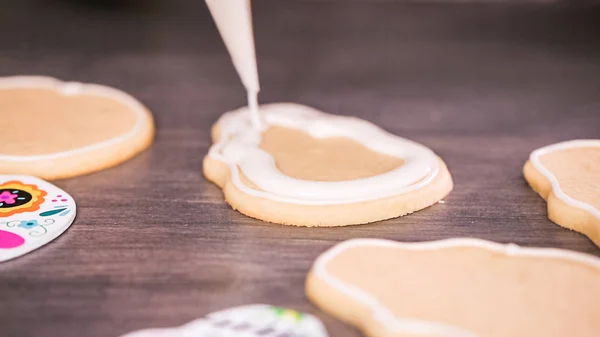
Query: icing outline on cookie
71	89
238	146
534	158
408	325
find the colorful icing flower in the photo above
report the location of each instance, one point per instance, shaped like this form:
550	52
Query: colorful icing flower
17	197
10	240
28	224
8	197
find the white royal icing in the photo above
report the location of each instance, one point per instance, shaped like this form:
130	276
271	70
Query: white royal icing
254	320
72	89
254	113
415	326
239	141
534	158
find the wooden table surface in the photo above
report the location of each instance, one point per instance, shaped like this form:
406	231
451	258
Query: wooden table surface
155	245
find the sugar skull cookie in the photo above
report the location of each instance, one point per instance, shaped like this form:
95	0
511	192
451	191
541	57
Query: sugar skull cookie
256	320
32	214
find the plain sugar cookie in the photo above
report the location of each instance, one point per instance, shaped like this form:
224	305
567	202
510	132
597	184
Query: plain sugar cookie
309	168
55	129
567	176
458	288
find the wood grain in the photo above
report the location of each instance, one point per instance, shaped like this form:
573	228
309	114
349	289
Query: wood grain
155	245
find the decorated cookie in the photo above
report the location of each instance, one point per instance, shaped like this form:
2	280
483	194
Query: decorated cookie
32	213
256	320
567	176
54	129
458	288
309	168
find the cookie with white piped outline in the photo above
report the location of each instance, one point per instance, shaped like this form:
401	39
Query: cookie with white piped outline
256	320
309	168
457	288
54	129
567	176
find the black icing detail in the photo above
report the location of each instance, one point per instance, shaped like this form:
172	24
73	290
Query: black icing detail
21	199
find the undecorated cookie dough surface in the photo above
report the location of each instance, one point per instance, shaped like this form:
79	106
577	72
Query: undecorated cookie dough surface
44	121
301	156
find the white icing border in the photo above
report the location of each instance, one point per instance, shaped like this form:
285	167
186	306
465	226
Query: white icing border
303	118
407	325
76	88
534	158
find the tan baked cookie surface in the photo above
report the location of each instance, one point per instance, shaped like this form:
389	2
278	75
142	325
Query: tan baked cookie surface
567	176
458	288
308	168
60	129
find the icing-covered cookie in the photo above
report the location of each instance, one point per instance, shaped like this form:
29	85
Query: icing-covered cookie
458	288
254	320
55	129
309	168
567	176
32	213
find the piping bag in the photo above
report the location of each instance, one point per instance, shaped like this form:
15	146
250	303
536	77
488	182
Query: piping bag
234	22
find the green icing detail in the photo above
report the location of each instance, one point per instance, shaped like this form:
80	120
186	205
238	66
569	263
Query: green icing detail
281	312
277	311
52	212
